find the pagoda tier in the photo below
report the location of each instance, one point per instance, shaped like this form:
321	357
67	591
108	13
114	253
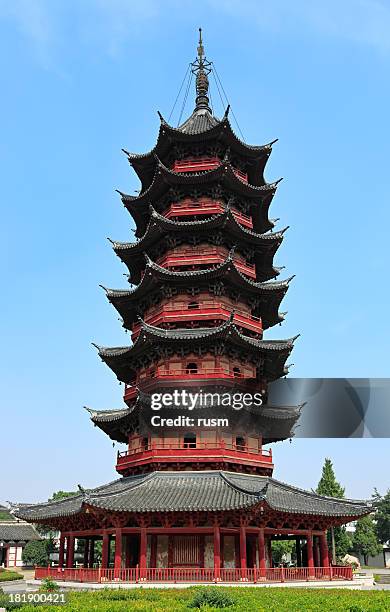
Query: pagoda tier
201	135
156	350
223	285
224	448
172	242
221	184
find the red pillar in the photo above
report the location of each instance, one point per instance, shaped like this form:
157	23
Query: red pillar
316	551
118	552
70	551
243	551
324	550
269	546
91	559
261	547
310	560
127	550
61	551
142	553
106	550
217	552
86	552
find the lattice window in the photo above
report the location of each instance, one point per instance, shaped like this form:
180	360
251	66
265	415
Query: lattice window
186	551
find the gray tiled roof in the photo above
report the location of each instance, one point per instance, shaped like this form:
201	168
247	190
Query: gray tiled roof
228	329
197	491
273	422
18	531
200	121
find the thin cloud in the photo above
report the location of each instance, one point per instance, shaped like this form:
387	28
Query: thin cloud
364	22
109	24
34	21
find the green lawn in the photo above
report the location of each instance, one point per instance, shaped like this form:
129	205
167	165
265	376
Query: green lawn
9	575
245	599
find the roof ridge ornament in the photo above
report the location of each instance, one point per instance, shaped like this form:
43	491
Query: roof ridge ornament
201	68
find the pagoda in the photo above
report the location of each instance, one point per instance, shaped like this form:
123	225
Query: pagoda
195	502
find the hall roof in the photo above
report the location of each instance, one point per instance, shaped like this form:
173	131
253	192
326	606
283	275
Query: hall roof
17	531
186	491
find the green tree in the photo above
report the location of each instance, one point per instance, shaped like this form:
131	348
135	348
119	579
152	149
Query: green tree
338	538
280	548
365	539
382	515
36	552
328	484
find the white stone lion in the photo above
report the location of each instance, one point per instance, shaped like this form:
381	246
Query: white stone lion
351	560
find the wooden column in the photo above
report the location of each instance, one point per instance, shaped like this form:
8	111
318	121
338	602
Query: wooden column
61	551
324	550
261	547
298	551
310	560
142	553
153	551
217	552
269	547
86	552
317	562
127	550
243	552
70	551
91	559
118	552
106	550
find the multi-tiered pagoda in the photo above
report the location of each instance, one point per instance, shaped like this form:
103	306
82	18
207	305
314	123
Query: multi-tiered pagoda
197	503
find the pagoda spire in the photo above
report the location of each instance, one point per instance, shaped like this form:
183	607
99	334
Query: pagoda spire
201	67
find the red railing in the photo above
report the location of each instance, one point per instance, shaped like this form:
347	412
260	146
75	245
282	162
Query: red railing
147	378
263	454
195	574
191	257
172	313
205	206
199	164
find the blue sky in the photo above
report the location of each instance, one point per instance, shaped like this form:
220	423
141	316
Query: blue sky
81	80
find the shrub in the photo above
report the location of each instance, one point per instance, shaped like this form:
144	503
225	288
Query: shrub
36	552
48	585
213	596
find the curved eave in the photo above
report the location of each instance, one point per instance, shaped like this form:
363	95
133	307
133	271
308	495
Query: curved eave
138	206
122	360
114	423
126	302
264	245
145	164
275	423
211	491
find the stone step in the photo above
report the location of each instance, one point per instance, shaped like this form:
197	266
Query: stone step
384	578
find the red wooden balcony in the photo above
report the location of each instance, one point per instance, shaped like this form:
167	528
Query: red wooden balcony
203	312
207	257
204	452
150	377
199	164
204	207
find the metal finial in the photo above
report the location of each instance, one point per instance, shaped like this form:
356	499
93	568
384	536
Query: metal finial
201	68
200	47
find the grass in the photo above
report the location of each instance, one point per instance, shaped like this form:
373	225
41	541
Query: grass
247	599
9	575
